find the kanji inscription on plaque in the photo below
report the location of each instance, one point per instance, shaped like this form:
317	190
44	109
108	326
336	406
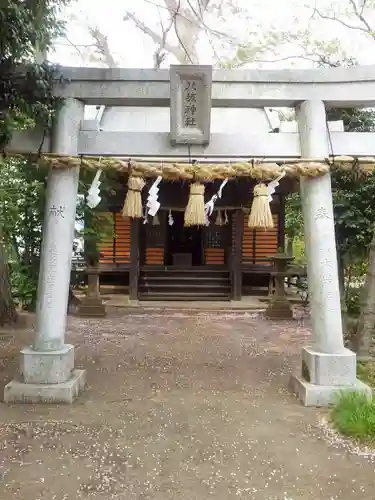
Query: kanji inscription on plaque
190	104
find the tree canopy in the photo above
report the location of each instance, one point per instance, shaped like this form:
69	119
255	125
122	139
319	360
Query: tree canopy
27	30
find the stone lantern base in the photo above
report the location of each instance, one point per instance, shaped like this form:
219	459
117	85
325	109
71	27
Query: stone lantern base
92	304
92	307
279	308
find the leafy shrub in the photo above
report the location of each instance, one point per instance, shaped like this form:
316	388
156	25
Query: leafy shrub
353	301
299	251
24	284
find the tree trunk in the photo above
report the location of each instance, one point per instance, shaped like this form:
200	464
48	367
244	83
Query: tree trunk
363	337
8	313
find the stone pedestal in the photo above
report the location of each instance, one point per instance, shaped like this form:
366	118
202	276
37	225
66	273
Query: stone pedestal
92	308
64	393
279	308
46	377
47	373
92	304
323	376
327	368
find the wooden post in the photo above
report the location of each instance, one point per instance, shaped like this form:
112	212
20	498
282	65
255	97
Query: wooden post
237	255
134	259
281	224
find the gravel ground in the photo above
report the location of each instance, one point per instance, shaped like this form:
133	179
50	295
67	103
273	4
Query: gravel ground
179	406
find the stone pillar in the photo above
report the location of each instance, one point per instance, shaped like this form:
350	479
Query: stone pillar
47	368
327	366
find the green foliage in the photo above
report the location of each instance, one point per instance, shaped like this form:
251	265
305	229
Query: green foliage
355	120
354	207
352	300
354	415
27	28
299	251
22	199
98	227
24	283
293	216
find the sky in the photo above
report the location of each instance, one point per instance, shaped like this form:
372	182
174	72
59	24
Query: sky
131	48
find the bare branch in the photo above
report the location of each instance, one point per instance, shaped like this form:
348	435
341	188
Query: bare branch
102	46
176	23
199	17
363	6
75	46
160	53
145	29
156	37
359	15
172	5
204	3
338	20
198	21
314	58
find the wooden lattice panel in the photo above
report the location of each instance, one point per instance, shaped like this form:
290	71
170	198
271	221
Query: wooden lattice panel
123	237
107	246
117	249
258	244
154	256
214	256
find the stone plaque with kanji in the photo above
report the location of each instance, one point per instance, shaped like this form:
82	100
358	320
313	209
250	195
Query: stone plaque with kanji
190	104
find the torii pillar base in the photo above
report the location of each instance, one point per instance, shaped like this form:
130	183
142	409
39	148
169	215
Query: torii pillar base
63	393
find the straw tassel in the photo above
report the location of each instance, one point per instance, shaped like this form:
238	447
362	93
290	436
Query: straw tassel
260	213
133	201
194	212
155	220
219	219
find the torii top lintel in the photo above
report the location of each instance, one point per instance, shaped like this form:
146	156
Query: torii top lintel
337	87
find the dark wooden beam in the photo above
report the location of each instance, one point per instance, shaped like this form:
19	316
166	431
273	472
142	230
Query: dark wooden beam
134	259
236	260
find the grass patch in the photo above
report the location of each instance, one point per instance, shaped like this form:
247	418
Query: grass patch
366	372
354	416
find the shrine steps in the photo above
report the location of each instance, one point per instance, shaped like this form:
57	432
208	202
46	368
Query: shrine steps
192	284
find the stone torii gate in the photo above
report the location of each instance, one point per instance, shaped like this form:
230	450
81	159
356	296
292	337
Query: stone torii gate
47	368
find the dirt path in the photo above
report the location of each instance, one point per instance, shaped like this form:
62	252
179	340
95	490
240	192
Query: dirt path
178	406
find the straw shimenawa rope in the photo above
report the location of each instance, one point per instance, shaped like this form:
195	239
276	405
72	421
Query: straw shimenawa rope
264	170
201	172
